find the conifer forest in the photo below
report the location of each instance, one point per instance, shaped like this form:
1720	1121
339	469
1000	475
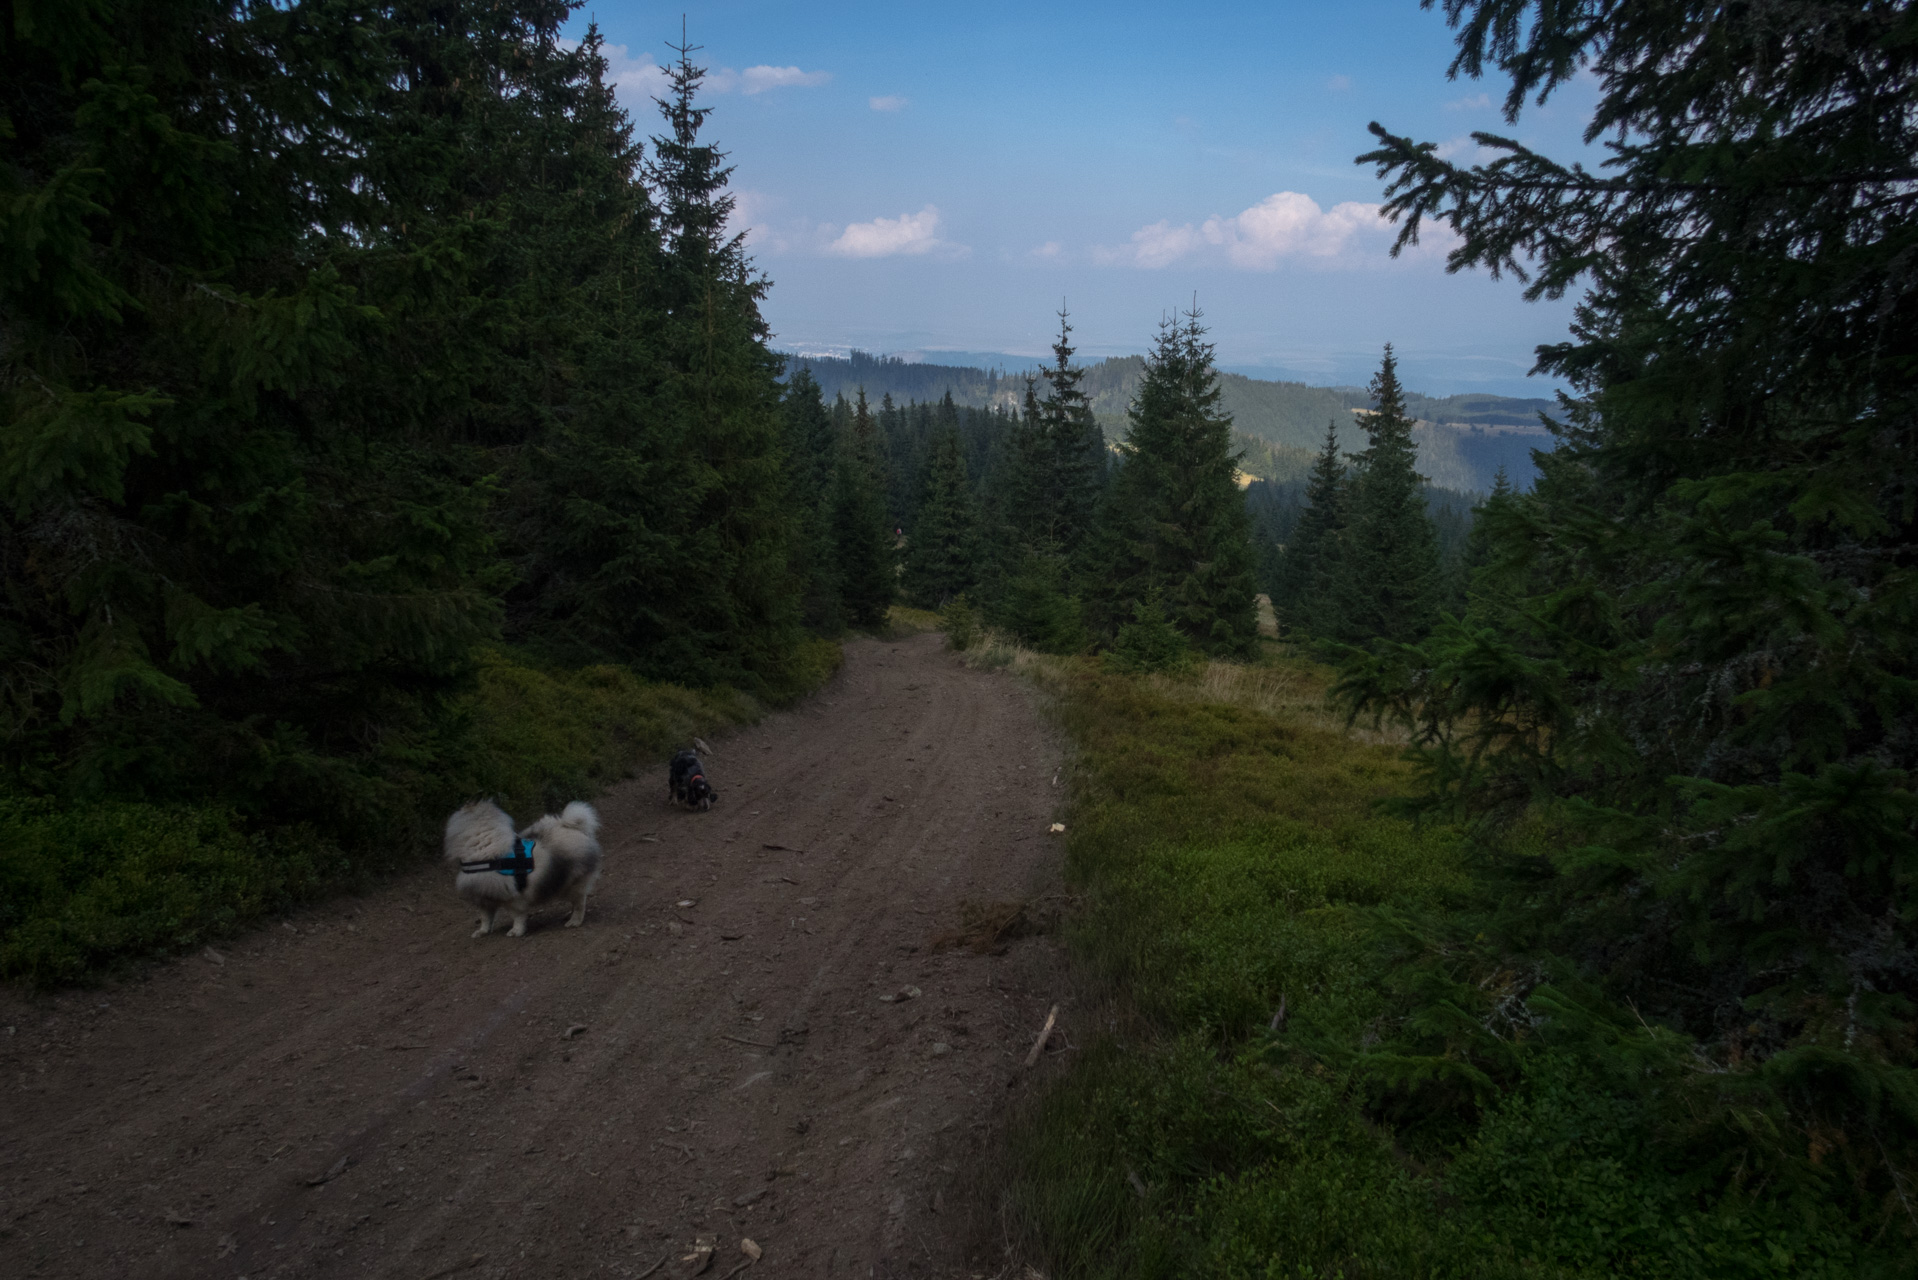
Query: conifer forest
1508	872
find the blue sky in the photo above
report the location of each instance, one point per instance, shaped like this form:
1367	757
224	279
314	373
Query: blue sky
922	177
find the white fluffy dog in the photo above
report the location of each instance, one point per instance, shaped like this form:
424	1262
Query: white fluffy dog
554	860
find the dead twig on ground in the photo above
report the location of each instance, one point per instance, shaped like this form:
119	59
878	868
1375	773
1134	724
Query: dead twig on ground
1045	1034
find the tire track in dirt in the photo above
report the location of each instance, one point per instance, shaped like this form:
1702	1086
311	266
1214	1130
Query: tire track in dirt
364	1090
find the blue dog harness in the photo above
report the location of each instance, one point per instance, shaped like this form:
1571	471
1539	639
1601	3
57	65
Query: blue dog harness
518	866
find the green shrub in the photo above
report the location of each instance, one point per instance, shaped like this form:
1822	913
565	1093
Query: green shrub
1410	1117
1150	642
536	739
960	622
1035	607
88	885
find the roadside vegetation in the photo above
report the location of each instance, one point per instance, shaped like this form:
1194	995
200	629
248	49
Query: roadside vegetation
87	886
1621	975
1314	1059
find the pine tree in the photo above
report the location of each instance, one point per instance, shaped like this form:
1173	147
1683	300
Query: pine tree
941	544
1701	681
1059	456
862	535
1073	453
1309	570
1025	490
1478	575
724	391
1177	532
1388	574
810	454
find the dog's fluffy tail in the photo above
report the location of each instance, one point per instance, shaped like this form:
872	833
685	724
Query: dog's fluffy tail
479	831
580	816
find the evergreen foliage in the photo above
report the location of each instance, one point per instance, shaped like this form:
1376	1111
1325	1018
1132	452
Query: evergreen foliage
1307	597
1061	459
1685	691
960	621
1149	642
341	342
1177	531
1387	585
862	534
810	454
1475	560
942	541
1037	607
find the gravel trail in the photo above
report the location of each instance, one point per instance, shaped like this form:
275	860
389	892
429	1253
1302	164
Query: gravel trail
364	1090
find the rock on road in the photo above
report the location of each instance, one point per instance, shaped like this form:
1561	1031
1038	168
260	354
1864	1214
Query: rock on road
364	1090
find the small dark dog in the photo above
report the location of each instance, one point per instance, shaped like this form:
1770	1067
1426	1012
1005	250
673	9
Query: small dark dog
687	783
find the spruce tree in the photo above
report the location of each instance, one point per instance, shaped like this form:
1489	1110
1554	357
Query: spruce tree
1072	452
810	455
1387	584
736	618
1177	533
1476	571
1059	455
1025	491
1309	572
1701	680
862	534
941	544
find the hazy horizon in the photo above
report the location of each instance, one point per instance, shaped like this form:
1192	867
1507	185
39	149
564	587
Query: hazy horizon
914	178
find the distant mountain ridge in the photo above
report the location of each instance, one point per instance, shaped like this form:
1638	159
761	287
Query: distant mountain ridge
1463	439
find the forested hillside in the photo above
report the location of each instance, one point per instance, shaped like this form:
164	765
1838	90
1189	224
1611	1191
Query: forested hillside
1463	440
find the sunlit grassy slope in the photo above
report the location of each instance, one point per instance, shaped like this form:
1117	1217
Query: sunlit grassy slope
1233	859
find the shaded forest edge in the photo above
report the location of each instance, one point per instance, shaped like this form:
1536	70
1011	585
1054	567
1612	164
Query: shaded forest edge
386	425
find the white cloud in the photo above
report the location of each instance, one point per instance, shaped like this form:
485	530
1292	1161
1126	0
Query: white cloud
887	102
908	234
636	80
1339	84
760	79
1464	150
640	79
1050	249
1287	226
751	217
1158	245
1471	102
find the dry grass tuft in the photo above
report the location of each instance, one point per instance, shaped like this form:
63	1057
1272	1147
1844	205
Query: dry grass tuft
904	620
988	927
1286	688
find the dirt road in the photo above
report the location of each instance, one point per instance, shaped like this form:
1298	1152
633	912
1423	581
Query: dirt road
366	1090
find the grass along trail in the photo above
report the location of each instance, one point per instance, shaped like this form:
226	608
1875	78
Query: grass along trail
364	1090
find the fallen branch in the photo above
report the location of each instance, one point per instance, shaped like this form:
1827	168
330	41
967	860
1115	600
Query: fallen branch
656	1266
339	1167
757	1044
457	1267
1045	1034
